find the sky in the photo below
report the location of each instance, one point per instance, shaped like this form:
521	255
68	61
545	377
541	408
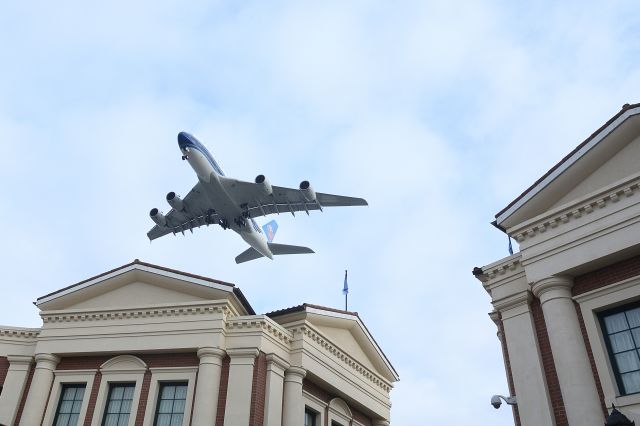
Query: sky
439	113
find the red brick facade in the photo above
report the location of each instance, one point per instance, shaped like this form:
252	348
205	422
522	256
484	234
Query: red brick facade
4	367
144	394
326	397
222	395
553	384
93	398
608	275
258	391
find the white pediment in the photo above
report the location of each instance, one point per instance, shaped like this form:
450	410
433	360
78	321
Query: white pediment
347	342
139	285
609	156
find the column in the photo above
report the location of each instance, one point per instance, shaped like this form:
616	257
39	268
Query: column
293	404
240	385
39	389
577	384
13	387
205	405
534	404
275	385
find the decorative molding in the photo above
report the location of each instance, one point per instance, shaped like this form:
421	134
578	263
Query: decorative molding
120	314
332	349
22	333
261	323
575	212
502	268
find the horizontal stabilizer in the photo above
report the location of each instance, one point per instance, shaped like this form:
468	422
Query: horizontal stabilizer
278	249
247	255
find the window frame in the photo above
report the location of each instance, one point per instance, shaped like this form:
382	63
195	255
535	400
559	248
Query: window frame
161	385
316	415
316	405
161	375
591	304
109	377
63	387
124	385
69	377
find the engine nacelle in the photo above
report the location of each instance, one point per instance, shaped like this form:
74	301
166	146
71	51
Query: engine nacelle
307	190
264	184
158	217
175	201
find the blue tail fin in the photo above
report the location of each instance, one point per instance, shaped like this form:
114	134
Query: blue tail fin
270	230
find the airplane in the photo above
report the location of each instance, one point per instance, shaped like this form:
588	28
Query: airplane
234	204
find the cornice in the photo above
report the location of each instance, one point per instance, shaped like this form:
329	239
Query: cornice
262	323
565	215
20	333
496	270
128	313
334	351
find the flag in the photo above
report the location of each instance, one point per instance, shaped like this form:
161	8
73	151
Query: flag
345	289
510	247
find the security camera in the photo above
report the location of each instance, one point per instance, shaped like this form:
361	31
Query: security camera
496	400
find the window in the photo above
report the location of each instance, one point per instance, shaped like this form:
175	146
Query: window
334	423
171	401
309	417
118	406
621	328
69	405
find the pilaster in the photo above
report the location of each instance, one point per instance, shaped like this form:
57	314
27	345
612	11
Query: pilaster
13	387
276	367
238	406
39	390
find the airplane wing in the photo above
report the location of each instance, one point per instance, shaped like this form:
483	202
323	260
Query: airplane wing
282	200
196	212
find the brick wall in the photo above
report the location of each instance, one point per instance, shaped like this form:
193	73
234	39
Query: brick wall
144	394
326	397
258	391
553	384
93	397
507	367
608	275
222	395
4	367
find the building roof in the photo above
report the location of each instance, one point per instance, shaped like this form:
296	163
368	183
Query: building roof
569	159
318	309
236	291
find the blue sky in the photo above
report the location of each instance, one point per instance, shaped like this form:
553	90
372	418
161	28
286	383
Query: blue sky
438	113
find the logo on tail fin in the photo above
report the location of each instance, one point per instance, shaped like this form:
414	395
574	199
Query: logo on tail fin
270	230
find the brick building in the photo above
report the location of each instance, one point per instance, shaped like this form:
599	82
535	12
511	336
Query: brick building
146	345
567	306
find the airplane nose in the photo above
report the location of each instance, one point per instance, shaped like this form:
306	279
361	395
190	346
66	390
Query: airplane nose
184	140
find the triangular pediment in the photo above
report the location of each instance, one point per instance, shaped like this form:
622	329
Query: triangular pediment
606	158
344	329
141	285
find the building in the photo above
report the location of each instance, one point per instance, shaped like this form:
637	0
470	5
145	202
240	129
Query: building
147	345
567	306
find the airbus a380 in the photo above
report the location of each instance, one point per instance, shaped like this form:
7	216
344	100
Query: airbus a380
233	204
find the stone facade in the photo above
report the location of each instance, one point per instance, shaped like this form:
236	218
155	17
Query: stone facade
147	326
578	228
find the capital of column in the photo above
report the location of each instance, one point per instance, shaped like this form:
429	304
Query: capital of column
210	355
295	374
276	364
19	360
555	287
243	355
47	361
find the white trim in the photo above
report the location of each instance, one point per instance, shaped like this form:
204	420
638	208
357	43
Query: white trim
170	374
69	377
316	404
567	163
591	303
117	377
135	266
357	319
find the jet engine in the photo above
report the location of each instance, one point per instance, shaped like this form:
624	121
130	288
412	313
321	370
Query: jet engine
307	190
175	201
158	217
264	184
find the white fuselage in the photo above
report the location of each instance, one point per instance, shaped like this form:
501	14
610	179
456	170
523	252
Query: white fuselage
227	208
